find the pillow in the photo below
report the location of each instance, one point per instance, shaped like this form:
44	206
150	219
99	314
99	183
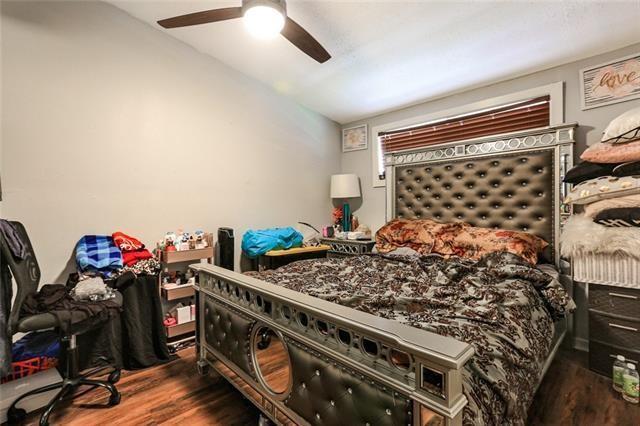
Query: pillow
474	242
602	188
417	234
400	251
592	210
586	170
626	169
601	152
624	128
456	239
621	217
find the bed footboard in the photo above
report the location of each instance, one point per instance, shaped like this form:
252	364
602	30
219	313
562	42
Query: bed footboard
303	360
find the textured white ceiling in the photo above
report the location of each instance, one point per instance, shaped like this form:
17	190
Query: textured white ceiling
389	54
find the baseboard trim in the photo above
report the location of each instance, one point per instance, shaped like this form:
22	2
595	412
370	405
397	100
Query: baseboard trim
581	344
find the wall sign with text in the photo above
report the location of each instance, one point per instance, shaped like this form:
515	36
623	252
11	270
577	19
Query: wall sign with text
610	83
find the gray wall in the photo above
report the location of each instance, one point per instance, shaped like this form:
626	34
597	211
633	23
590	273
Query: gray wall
592	122
109	124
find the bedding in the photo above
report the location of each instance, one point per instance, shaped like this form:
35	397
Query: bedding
619	217
602	239
601	152
456	239
98	253
623	128
126	242
627	169
592	210
602	188
499	304
586	170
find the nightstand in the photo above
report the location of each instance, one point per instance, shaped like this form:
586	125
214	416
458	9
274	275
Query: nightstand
614	324
342	248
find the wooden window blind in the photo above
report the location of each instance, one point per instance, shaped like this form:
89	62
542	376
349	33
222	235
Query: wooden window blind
514	117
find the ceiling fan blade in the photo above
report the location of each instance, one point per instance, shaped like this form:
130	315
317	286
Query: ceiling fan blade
304	41
204	17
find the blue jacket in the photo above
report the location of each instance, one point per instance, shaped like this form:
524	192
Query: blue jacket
256	243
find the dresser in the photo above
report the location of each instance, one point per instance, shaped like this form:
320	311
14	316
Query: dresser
342	248
614	326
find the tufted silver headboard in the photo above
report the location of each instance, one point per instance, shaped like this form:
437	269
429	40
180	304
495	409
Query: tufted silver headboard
512	181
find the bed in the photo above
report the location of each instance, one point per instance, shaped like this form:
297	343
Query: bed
413	340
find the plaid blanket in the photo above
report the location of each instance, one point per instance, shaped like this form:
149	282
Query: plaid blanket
98	253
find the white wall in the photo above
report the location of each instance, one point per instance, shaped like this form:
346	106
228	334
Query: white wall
109	124
592	123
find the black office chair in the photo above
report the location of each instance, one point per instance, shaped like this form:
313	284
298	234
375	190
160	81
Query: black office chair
27	277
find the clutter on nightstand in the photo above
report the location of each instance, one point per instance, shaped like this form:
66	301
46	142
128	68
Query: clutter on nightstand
345	187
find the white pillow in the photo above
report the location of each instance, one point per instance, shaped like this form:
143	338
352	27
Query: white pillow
624	128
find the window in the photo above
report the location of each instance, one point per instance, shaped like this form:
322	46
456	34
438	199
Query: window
529	114
538	107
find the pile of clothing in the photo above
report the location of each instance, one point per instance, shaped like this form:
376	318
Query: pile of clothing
113	255
607	193
258	242
34	352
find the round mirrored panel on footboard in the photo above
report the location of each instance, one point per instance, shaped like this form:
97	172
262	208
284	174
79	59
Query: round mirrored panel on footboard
271	360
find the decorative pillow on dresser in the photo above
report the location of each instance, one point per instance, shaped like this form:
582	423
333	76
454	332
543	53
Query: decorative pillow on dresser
626	169
629	201
624	128
601	152
624	217
586	170
602	188
620	142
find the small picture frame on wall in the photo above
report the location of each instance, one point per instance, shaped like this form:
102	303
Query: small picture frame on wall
611	82
354	138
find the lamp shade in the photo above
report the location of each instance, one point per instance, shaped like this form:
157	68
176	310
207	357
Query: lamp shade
345	186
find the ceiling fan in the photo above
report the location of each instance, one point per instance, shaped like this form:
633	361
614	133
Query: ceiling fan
263	19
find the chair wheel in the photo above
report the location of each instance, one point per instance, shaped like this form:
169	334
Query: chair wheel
114	377
114	399
16	416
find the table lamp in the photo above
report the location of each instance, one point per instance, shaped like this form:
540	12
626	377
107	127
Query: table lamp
343	187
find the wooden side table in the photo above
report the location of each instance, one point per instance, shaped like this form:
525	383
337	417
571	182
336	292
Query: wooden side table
342	248
276	258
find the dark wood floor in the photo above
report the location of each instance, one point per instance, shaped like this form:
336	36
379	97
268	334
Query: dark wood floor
175	394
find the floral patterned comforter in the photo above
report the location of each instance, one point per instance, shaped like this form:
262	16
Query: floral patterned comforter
500	304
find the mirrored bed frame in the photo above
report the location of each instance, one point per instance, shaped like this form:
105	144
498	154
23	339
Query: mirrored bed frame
303	360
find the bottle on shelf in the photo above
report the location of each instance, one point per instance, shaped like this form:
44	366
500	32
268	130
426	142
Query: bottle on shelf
631	384
619	367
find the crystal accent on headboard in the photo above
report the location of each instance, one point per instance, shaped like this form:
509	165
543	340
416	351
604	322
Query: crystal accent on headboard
536	138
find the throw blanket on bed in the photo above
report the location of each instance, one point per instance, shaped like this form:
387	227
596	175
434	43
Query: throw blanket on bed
501	305
97	253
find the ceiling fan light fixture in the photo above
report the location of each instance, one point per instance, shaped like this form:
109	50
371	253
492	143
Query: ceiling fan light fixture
264	19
